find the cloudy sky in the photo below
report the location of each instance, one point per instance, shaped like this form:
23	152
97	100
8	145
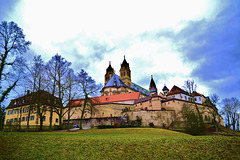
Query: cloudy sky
171	40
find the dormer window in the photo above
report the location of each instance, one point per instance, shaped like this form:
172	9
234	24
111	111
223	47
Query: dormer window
173	90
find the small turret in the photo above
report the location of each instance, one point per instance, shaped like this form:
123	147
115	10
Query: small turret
165	90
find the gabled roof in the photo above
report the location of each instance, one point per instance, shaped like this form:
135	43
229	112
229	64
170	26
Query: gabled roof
177	90
196	93
108	99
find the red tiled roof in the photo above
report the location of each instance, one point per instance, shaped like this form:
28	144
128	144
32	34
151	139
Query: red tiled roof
176	90
108	99
196	93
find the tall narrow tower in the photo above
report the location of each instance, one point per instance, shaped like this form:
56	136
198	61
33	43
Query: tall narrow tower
109	73
125	73
152	87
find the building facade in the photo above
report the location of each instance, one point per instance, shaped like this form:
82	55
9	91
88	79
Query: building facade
29	107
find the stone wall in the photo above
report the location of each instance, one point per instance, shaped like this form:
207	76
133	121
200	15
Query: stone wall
90	122
157	117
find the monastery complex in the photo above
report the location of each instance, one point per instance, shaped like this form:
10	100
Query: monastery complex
120	94
121	100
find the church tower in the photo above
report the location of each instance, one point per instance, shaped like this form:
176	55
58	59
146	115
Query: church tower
109	73
125	73
152	87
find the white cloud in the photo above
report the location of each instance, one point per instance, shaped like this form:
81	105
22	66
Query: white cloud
74	26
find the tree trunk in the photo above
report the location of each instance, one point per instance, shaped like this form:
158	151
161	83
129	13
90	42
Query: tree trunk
41	123
51	114
29	111
68	119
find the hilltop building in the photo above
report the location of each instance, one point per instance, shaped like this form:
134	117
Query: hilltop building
119	93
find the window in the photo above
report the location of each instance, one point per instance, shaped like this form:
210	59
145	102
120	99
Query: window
195	99
15	120
173	96
44	118
26	118
199	98
13	111
11	120
56	120
16	111
32	117
9	112
33	109
8	120
23	119
24	110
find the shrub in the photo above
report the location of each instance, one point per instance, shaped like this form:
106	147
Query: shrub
105	126
116	124
151	124
139	121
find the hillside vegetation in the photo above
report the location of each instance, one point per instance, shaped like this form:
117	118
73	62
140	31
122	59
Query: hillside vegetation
121	143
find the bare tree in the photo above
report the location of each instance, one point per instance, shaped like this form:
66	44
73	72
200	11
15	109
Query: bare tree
12	46
58	68
36	81
231	109
71	92
2	116
89	88
190	86
216	118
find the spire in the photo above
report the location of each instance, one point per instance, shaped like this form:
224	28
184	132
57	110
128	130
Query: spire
125	64
110	69
152	85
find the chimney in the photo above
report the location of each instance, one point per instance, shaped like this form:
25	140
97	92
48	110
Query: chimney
28	91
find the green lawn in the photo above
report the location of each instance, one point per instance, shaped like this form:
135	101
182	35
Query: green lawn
122	143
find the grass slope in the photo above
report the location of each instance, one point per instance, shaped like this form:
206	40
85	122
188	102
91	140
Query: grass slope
124	143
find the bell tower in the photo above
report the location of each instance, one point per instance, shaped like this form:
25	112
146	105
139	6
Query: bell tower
125	73
109	73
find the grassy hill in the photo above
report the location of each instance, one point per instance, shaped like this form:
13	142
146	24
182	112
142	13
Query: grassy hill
121	143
